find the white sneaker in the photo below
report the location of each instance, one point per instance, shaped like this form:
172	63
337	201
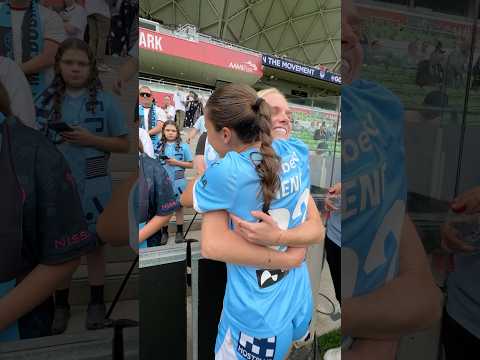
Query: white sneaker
333	354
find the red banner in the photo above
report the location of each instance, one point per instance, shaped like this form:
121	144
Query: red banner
201	51
158	96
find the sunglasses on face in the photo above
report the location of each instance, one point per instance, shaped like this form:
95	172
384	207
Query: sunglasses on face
145	95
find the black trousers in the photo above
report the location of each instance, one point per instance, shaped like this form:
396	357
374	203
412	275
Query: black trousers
458	342
334	262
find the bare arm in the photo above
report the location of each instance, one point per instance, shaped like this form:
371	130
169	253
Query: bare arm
157	129
126	72
184	164
113	224
82	137
393	311
220	243
153	226
199	164
118	144
192	134
44	60
267	232
33	290
187	196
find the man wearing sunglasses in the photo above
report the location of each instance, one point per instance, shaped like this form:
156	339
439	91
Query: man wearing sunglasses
151	117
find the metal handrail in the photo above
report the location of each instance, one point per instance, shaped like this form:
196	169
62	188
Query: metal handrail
171	83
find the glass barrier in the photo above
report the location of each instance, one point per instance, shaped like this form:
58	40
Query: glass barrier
428	66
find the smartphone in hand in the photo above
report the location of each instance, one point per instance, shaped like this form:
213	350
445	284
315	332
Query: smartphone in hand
60	127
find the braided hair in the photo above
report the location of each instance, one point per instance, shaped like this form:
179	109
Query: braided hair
163	140
58	86
237	107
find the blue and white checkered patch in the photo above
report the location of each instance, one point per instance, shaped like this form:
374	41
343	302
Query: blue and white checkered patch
251	348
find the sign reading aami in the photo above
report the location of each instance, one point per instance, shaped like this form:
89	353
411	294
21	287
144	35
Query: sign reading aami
150	41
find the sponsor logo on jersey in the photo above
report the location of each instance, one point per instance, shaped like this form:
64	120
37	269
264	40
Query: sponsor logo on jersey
266	278
251	348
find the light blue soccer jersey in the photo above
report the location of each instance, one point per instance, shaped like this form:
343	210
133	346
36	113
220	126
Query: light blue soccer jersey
176	173
373	186
258	301
200	125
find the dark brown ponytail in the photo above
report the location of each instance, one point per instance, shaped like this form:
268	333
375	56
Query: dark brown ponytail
237	107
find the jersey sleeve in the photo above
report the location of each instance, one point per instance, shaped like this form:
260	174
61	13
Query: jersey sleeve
216	189
187	154
115	117
62	231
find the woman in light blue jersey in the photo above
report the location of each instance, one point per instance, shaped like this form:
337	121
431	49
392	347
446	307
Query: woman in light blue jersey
268	299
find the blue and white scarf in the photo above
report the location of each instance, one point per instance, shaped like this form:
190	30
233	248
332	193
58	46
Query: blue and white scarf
152	120
32	40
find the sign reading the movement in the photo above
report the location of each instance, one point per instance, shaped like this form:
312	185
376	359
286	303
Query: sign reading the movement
306	70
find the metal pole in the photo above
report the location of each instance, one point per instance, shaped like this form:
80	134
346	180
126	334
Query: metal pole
336	138
190	225
467	94
122	286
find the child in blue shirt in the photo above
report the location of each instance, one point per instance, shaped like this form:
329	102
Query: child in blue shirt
87	125
175	156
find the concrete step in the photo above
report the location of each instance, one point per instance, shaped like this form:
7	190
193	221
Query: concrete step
115	273
87	345
112	269
116	254
196	225
190	211
123	310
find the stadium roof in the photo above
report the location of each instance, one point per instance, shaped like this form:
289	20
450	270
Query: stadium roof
304	30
